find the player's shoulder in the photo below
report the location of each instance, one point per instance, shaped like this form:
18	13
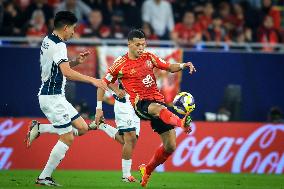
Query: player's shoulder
117	63
149	55
55	41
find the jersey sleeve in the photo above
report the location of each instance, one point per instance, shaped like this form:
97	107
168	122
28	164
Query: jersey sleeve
159	62
112	72
60	54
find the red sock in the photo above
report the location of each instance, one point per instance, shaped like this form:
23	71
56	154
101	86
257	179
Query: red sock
169	118
159	157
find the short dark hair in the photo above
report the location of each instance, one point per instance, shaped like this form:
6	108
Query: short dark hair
63	18
135	33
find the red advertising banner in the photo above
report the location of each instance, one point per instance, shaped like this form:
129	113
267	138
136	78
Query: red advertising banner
211	147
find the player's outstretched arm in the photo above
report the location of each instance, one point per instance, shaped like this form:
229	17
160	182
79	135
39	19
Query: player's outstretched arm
120	93
80	59
180	66
76	76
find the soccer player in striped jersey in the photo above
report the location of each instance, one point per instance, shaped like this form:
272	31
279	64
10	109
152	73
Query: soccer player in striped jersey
55	69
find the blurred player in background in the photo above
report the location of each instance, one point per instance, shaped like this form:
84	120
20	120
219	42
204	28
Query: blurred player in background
134	71
55	68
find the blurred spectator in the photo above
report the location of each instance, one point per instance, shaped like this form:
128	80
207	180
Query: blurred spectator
179	8
94	27
256	4
108	8
268	9
275	115
243	36
158	13
44	7
227	17
188	32
118	27
12	20
241	33
149	32
216	31
37	26
94	4
206	18
132	13
267	34
79	8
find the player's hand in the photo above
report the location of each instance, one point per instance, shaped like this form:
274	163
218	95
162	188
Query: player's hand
100	84
99	115
82	57
190	66
120	93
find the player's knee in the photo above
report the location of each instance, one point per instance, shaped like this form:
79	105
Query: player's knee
82	130
154	109
67	138
131	140
170	148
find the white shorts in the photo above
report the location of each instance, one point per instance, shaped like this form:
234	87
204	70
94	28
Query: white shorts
58	111
125	118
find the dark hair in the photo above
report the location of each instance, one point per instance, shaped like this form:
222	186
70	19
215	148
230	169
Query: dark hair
135	33
63	18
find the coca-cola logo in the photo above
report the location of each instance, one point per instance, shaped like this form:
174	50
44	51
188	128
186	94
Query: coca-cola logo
254	153
7	127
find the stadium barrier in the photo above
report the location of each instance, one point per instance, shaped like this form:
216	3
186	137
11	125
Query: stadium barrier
211	147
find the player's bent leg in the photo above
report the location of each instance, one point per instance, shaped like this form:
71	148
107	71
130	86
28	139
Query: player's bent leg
80	124
160	111
154	109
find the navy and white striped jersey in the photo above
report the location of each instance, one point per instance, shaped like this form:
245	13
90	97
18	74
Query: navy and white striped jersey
53	52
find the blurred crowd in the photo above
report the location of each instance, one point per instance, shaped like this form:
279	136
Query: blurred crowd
184	21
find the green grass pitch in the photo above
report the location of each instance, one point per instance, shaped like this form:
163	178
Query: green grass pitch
24	179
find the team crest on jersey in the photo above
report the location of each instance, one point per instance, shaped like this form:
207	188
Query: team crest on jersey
133	71
66	117
129	122
149	64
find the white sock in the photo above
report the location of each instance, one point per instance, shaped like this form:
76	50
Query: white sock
47	128
75	131
126	167
56	155
109	130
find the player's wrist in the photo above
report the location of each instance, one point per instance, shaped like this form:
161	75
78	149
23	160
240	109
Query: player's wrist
182	66
99	105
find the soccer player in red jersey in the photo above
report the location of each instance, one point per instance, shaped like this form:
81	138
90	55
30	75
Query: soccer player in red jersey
134	71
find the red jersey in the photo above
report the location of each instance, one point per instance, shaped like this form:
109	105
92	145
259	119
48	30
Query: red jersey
137	76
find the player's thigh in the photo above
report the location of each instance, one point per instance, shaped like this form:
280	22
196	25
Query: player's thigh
169	140
55	109
130	137
155	108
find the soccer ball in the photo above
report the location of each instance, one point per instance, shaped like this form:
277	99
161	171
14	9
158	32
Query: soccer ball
184	103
